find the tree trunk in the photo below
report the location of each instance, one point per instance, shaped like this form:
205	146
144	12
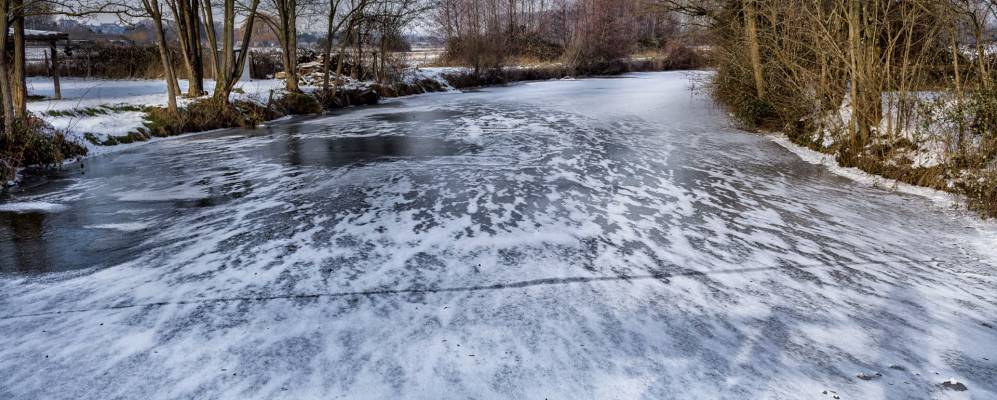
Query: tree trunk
6	94
196	87
209	29
55	71
853	49
20	88
232	65
289	30
228	30
864	56
330	34
172	89
754	51
342	56
187	22
958	88
981	55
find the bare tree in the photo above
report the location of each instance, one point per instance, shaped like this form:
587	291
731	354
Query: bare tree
337	19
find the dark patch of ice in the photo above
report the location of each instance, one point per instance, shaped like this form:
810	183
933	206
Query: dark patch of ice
954	385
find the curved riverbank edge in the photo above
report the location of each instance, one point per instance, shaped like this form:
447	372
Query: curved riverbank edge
940	198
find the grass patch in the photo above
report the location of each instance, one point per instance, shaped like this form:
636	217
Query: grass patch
205	114
103	109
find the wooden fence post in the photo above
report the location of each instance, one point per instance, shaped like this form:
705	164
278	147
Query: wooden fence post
55	70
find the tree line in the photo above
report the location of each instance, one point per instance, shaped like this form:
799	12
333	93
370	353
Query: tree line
213	38
788	62
491	33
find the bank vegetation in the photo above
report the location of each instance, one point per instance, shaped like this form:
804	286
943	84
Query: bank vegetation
903	89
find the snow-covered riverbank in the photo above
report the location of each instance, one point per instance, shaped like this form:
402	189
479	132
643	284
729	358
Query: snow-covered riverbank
112	108
92	111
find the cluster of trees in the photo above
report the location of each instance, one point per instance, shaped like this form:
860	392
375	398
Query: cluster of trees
359	24
211	38
490	33
792	61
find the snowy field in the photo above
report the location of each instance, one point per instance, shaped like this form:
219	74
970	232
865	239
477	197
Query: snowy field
603	238
81	94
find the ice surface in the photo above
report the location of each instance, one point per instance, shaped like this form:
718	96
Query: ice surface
603	238
124	227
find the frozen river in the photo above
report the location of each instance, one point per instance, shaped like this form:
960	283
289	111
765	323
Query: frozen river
601	238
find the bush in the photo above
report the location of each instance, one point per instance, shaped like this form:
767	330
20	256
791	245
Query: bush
298	103
34	143
679	56
981	194
983	123
204	115
347	97
731	91
109	62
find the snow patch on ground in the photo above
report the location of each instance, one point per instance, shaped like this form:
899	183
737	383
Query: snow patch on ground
438	74
920	126
82	93
101	126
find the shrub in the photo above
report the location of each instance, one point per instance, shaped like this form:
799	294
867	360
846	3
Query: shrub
738	97
298	103
534	46
109	61
347	97
981	194
679	56
206	114
34	142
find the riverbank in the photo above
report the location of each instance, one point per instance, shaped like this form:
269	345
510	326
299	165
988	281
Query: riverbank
926	150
